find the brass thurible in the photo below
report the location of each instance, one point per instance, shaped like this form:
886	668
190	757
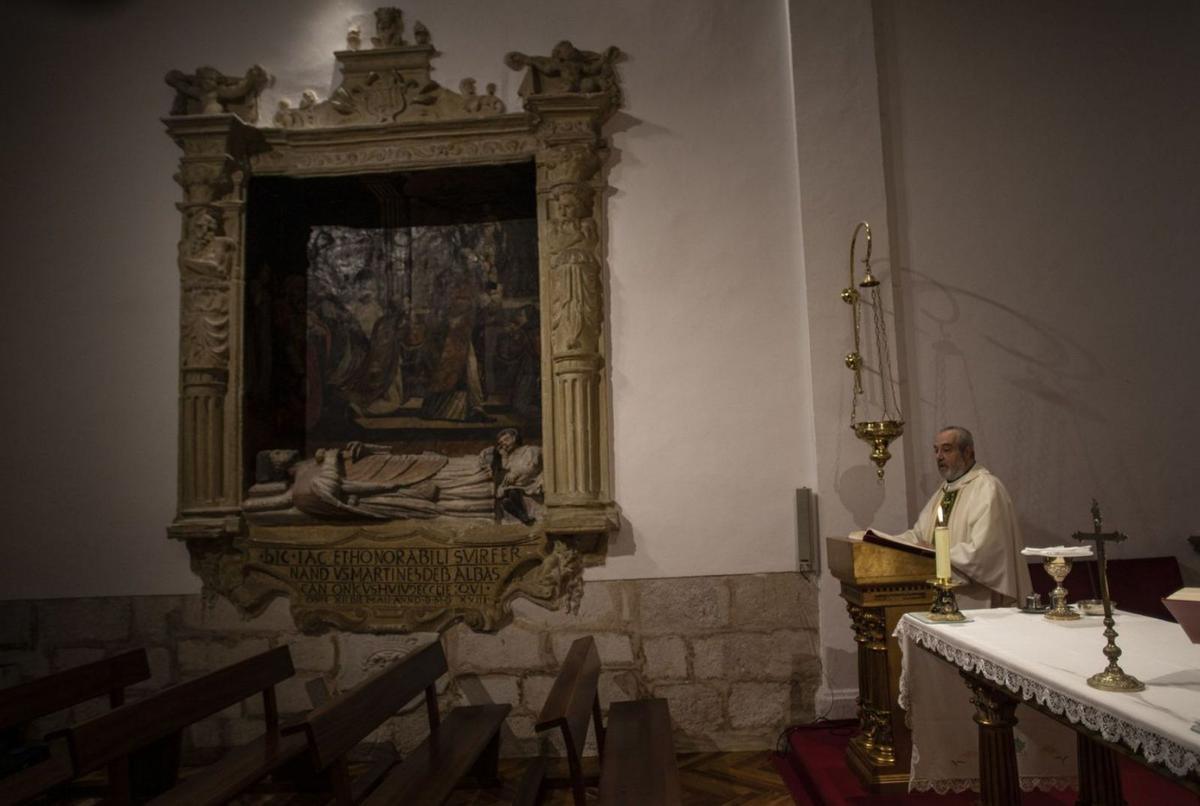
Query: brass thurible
880	433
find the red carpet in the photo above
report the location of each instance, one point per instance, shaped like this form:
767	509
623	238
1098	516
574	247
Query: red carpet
815	772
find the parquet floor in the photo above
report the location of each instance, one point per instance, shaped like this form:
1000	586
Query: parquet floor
708	779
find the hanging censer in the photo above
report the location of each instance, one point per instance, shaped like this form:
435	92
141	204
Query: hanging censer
878	433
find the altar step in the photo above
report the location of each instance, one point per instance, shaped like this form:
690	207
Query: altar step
814	768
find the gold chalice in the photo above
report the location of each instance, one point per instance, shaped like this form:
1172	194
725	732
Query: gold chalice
1058	568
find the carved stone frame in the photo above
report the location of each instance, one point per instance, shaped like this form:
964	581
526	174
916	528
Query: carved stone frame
559	130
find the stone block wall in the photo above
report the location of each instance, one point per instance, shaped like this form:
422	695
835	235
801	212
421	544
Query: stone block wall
737	657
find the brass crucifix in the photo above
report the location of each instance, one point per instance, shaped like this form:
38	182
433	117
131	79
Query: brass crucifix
1113	678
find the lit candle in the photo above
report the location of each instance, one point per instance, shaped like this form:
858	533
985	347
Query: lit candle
941	547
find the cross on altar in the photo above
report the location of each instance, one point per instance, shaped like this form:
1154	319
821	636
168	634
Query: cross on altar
1113	678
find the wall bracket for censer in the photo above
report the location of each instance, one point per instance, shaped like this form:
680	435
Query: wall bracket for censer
878	433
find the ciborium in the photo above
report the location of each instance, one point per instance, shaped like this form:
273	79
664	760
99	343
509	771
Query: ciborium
1058	568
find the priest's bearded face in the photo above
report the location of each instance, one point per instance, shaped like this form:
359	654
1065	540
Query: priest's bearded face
952	459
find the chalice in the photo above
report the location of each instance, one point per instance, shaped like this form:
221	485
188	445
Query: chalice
1058	568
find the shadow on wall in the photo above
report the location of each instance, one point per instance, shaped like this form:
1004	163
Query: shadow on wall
860	492
1053	352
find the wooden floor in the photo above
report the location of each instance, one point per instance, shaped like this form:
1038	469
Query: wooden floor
708	779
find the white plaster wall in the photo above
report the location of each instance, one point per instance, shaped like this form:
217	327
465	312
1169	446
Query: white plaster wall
841	177
1046	188
712	407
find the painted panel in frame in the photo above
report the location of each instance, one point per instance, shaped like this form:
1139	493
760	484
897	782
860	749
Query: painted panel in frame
399	348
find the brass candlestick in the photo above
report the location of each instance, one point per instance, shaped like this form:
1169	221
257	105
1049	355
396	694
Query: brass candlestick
1058	568
1113	678
945	605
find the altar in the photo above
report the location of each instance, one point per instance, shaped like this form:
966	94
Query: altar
1008	658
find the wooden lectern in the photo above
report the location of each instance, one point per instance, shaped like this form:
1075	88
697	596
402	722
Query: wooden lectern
879	584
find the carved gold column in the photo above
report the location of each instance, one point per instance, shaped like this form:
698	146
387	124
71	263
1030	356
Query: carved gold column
994	709
210	372
569	183
880	585
875	740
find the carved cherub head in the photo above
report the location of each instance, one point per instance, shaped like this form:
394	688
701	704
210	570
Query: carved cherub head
564	51
572	203
204	227
389	27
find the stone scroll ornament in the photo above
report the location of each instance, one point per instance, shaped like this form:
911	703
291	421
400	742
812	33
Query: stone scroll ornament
388	83
209	92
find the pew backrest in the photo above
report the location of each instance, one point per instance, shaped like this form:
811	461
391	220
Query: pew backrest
118	733
573	698
111	676
339	725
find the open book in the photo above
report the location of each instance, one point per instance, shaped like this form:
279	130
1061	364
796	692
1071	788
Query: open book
899	545
1184	605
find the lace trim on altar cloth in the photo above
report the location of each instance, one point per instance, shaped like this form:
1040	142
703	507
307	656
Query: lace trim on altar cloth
1154	748
960	785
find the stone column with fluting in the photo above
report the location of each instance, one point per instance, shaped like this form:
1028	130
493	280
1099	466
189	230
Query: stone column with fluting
211	274
575	385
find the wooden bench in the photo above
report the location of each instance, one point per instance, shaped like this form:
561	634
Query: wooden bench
21	704
466	742
639	764
156	723
569	706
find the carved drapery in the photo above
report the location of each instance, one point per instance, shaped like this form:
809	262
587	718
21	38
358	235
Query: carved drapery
389	115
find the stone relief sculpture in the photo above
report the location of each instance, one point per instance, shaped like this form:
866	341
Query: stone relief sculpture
365	482
389	83
566	70
389	28
208	253
358	534
208	92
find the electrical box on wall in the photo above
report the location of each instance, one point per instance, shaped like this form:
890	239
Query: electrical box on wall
807	544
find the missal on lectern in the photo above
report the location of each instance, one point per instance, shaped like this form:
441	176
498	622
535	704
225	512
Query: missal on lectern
899	545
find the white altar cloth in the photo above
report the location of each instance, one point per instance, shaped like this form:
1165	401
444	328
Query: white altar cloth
1047	662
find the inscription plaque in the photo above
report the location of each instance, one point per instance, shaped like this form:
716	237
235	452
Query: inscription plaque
369	579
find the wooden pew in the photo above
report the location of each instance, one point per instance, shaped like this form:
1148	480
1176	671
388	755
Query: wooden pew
25	702
466	741
572	701
159	720
639	765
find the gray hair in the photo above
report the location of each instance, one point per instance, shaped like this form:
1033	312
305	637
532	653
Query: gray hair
964	437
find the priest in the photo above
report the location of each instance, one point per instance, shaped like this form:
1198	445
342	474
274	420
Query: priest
985	540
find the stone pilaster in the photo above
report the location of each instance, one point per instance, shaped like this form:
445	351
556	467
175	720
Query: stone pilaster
569	184
211	245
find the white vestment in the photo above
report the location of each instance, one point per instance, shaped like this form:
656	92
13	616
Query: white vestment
985	540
